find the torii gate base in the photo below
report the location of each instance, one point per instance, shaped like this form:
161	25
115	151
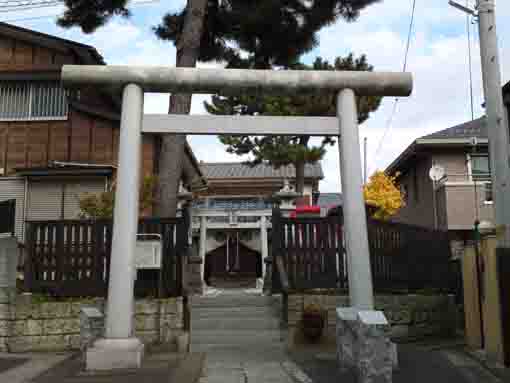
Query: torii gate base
362	341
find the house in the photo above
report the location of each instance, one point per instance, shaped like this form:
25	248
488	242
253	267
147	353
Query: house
232	217
463	195
238	184
57	144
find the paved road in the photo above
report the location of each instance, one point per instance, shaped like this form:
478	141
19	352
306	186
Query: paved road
416	365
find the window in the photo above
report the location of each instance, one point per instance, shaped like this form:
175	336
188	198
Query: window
32	100
480	168
488	193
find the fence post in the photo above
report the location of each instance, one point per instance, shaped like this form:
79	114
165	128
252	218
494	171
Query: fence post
275	246
28	269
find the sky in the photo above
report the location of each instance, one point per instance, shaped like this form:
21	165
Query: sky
438	60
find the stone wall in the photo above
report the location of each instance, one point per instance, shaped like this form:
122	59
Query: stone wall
27	324
410	316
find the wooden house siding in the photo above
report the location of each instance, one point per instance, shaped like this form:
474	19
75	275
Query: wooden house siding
82	138
21	56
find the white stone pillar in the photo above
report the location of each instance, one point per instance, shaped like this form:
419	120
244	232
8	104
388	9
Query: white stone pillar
203	245
356	236
120	349
263	243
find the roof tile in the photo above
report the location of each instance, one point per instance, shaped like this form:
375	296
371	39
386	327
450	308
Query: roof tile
242	170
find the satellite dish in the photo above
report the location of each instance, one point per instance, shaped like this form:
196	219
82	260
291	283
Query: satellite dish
437	173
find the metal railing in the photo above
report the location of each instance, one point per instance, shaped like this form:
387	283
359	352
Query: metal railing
38	100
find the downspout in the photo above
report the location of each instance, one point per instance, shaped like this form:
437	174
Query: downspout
62	202
25	201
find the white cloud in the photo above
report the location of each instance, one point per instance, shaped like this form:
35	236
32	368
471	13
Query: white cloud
437	59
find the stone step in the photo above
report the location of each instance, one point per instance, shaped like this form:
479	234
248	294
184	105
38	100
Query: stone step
218	313
234	322
236	337
231	354
233	301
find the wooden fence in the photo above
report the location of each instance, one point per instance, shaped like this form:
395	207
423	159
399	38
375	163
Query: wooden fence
402	257
72	258
311	250
410	257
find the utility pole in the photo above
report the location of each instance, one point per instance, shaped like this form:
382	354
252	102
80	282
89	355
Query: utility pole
365	177
499	143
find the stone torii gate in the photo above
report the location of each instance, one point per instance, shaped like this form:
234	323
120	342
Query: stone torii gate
119	348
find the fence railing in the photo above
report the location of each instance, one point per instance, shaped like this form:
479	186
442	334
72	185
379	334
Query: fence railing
72	258
402	257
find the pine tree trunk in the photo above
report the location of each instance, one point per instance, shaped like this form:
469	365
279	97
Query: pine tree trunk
300	176
171	151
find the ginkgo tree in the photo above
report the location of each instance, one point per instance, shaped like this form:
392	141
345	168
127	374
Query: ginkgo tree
383	194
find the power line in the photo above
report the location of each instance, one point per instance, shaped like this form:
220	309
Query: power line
7	6
395	103
470	62
29	18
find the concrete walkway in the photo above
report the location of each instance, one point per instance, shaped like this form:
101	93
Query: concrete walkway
236	366
21	368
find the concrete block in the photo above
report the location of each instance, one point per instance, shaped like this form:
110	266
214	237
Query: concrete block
148	337
111	354
53	310
61	326
7	294
295	302
27	327
146	306
31	343
5	311
24	309
5	328
4	344
76	307
399	331
146	322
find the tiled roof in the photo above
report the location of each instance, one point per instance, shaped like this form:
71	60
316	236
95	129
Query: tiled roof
329	199
87	53
476	128
240	170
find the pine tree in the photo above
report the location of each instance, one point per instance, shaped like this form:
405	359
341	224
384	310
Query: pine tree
272	32
280	151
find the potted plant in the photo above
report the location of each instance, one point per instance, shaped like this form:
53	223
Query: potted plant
312	322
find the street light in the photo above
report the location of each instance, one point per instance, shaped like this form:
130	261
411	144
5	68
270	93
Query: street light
462	8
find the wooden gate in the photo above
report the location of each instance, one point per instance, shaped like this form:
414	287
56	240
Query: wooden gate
72	258
233	260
